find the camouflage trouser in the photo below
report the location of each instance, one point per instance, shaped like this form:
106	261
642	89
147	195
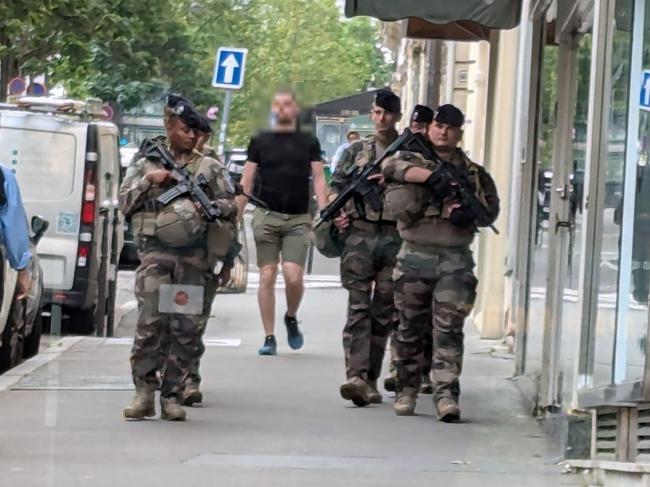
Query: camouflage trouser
194	377
427	355
367	266
434	279
168	344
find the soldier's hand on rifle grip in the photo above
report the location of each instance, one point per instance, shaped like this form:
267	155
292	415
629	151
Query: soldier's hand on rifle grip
379	177
158	176
441	184
342	222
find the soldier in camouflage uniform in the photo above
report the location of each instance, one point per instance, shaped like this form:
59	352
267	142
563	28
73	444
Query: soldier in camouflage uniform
178	250
421	119
434	271
367	262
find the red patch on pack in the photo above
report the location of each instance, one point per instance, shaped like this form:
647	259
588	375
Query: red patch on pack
181	298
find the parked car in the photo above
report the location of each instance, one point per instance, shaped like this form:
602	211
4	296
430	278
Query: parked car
21	322
65	154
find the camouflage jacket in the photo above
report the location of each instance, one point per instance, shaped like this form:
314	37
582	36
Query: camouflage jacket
137	199
422	218
357	155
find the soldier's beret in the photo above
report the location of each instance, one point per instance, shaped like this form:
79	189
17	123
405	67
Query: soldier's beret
450	115
388	100
422	114
204	125
183	109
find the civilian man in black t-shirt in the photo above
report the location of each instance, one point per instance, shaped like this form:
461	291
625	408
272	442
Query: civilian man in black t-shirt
283	160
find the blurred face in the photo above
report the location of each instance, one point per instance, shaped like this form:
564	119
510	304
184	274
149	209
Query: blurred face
181	137
445	136
384	121
284	108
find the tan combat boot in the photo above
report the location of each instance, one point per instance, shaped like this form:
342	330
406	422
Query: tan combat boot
191	395
171	409
426	386
405	402
375	397
143	405
448	410
356	390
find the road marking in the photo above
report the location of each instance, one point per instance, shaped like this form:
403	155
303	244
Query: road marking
129	306
208	342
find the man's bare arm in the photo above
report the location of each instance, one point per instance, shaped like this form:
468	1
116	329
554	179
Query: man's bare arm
248	176
320	184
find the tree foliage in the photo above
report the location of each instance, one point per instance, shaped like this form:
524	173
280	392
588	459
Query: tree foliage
126	51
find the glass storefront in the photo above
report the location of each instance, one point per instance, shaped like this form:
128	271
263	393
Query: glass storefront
605	260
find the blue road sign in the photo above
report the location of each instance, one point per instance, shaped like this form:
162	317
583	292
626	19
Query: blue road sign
645	90
229	68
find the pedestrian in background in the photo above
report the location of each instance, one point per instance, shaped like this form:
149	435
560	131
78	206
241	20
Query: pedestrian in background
351	137
282	160
368	258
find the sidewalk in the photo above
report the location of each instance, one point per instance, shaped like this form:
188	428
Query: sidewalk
266	421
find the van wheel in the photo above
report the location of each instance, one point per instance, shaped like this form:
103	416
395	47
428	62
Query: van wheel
81	321
33	341
11	352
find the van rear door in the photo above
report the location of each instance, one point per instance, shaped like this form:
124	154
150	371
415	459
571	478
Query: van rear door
48	155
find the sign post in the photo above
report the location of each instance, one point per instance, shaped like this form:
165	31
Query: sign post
229	70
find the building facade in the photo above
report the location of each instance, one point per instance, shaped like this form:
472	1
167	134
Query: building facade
560	108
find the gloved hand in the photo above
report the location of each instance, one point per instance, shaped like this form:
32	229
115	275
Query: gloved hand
441	184
461	217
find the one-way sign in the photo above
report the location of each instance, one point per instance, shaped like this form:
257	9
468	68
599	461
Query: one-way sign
229	68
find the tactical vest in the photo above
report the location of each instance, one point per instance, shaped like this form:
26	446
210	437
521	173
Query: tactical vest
408	203
364	152
155	220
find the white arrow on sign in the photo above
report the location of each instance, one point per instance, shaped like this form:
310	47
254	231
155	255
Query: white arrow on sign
230	64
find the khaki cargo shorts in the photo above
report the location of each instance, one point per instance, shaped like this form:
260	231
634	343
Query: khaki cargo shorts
281	234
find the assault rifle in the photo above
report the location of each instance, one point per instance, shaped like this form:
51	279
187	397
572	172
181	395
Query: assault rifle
188	185
459	177
362	190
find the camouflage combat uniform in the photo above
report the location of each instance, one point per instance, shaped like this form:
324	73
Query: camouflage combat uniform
434	273
367	262
169	344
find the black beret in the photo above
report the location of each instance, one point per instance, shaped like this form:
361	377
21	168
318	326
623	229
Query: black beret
174	100
204	125
184	110
388	100
450	115
422	114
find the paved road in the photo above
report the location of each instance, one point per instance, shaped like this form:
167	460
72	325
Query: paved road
266	421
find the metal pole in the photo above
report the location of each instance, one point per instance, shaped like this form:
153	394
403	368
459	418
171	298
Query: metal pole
224	122
55	320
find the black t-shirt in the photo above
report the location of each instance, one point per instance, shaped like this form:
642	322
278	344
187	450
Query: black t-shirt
284	168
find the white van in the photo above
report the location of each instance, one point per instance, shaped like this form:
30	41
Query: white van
65	155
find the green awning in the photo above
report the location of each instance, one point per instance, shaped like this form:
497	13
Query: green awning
483	14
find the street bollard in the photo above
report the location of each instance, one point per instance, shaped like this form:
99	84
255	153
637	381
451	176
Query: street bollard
56	315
